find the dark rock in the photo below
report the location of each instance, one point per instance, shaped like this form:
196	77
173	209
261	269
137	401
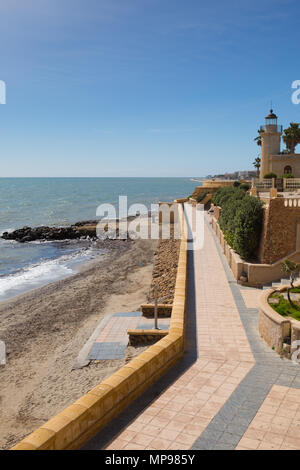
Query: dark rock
28	234
28	238
80	230
85	222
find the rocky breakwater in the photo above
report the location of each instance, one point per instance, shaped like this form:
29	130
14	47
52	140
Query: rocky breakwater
79	230
29	234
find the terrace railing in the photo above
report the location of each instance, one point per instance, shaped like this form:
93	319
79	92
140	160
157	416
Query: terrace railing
291	184
264	184
281	184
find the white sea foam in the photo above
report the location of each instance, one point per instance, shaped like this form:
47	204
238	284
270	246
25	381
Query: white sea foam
9	230
32	277
41	274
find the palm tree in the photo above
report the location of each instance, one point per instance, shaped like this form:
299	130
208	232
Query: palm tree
258	140
291	137
257	160
293	270
256	164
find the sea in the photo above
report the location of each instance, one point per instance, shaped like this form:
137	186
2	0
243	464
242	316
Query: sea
60	202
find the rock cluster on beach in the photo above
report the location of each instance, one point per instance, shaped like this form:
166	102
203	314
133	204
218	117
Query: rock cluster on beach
28	234
79	230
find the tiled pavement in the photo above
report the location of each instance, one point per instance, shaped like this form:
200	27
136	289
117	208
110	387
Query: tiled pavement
228	428
277	423
229	380
112	341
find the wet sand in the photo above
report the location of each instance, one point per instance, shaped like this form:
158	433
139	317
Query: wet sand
45	329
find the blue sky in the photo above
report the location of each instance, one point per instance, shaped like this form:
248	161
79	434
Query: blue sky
142	87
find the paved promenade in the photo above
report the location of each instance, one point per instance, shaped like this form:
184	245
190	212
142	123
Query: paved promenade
230	390
112	340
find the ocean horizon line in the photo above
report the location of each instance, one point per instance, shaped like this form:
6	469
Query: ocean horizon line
96	177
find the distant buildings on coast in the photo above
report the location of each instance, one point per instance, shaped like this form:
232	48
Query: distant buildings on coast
237	175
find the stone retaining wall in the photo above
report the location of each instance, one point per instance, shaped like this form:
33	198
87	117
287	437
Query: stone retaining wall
281	230
217	212
143	337
163	310
257	274
272	327
235	262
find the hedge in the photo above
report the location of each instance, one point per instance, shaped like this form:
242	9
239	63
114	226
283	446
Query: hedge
240	220
245	186
201	196
226	193
269	176
287	175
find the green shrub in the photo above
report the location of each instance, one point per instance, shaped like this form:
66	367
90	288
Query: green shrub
245	186
296	290
236	184
285	309
201	196
240	219
269	176
222	195
229	237
226	220
247	227
287	175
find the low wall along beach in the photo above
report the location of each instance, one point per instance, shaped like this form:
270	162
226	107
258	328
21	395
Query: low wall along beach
71	428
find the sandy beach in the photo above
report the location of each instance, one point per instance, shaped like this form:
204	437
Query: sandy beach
45	329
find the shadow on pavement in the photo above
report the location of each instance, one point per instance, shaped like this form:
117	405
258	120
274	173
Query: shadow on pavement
123	420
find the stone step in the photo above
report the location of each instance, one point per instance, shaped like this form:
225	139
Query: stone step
276	284
279	283
267	286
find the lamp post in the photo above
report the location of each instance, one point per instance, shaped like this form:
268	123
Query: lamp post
155	308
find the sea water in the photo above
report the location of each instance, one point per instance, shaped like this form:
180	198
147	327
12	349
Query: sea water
59	202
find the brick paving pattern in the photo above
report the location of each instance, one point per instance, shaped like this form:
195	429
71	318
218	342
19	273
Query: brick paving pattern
277	423
229	380
113	339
